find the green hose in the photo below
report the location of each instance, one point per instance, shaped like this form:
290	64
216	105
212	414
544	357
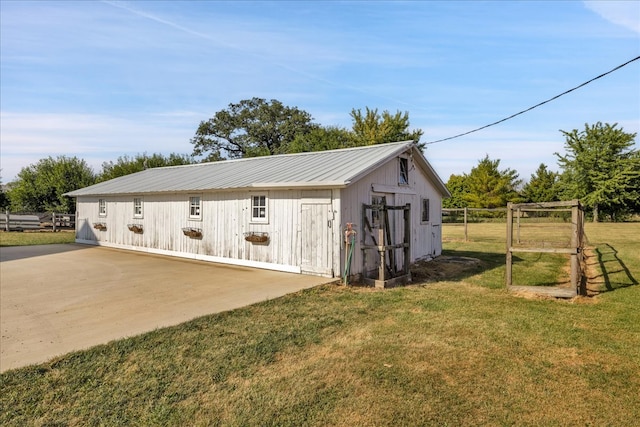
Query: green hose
347	266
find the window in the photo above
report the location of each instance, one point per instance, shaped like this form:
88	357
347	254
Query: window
403	177
102	207
424	213
259	212
137	207
194	207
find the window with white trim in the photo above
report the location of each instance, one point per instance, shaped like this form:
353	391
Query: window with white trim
259	208
424	212
194	207
137	207
403	175
102	207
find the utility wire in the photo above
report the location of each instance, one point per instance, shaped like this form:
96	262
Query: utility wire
535	106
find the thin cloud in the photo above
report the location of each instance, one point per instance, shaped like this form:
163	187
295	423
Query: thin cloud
90	136
623	13
287	47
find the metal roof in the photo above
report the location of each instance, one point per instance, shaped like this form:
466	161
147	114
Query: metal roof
320	169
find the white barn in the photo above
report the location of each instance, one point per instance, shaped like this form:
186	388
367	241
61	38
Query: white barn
284	212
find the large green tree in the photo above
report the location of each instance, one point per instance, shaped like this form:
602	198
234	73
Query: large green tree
4	197
457	186
490	187
252	127
542	187
371	127
320	139
40	187
601	168
126	165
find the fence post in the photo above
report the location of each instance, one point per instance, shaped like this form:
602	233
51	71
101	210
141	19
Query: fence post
575	265
518	225
53	220
382	250
509	243
407	239
465	224
6	226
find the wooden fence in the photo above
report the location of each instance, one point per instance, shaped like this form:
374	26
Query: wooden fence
37	221
575	246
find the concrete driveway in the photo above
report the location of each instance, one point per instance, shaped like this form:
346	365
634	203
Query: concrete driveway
59	298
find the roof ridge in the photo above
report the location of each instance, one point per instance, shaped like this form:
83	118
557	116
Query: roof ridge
331	168
304	153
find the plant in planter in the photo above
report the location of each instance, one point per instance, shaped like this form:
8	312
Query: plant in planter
136	228
194	233
256	237
100	226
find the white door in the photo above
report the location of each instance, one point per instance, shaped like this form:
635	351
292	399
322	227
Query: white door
436	240
317	223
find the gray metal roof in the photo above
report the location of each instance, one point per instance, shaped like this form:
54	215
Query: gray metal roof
320	169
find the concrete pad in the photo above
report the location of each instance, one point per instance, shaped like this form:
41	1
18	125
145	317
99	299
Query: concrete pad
55	299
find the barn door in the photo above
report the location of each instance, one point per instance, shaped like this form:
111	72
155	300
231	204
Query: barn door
317	245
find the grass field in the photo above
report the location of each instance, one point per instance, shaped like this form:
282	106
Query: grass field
462	351
14	238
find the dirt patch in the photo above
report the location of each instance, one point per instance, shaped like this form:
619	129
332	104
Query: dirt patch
444	268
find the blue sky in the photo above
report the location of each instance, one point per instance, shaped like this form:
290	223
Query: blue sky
99	80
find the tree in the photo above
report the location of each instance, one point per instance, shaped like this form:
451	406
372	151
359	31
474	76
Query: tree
5	202
459	189
542	187
374	128
321	139
250	128
490	187
4	198
126	165
40	187
601	169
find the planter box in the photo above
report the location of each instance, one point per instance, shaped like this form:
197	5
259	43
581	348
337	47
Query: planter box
194	233
136	228
256	237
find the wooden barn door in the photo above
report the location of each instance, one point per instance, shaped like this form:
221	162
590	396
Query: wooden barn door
317	245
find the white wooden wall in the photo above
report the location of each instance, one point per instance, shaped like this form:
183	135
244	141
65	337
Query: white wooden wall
315	247
225	217
385	179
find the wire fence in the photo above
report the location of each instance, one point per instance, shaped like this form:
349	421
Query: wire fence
532	224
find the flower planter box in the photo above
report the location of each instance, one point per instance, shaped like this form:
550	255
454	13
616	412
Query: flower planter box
100	226
256	237
194	233
136	228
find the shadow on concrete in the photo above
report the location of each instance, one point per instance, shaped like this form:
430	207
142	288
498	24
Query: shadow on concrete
13	253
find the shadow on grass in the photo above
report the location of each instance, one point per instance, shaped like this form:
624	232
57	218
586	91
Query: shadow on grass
614	273
457	265
488	267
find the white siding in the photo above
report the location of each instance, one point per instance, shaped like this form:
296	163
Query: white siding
225	218
385	179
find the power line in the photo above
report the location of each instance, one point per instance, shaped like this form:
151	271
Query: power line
535	106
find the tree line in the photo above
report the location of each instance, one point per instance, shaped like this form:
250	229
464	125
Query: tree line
599	166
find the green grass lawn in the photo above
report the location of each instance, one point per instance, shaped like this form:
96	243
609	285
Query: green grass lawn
15	238
456	352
